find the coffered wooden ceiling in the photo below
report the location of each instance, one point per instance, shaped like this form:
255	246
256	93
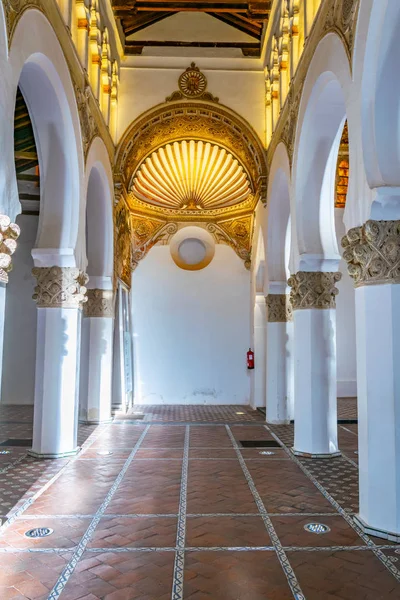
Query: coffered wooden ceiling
247	17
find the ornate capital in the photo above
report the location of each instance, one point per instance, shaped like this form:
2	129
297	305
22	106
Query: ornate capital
372	253
9	233
99	303
313	289
60	287
279	308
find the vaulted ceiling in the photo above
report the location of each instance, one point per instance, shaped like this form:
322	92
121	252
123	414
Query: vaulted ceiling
246	17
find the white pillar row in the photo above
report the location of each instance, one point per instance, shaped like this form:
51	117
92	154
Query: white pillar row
279	372
9	233
95	397
259	351
373	255
315	403
59	294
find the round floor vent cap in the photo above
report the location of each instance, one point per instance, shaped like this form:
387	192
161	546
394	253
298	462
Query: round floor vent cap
38	532
317	528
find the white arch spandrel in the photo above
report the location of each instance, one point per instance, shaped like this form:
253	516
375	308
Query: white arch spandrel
37	64
98	193
323	109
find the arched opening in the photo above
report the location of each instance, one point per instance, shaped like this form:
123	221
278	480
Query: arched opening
19	359
97	324
258	392
279	372
48	166
319	334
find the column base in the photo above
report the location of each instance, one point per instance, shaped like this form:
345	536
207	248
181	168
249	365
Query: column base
309	455
95	422
54	455
380	533
278	421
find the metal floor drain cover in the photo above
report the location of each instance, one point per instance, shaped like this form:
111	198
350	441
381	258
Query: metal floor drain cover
259	444
5	451
266	452
318	528
104	452
38	532
22	443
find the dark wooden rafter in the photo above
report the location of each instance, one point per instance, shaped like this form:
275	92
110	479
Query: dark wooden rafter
247	17
24	139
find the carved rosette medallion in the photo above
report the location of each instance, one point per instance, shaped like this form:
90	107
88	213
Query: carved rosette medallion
60	287
279	308
372	253
99	303
9	233
314	289
192	83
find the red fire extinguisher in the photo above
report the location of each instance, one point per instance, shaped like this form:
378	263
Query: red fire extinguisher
250	359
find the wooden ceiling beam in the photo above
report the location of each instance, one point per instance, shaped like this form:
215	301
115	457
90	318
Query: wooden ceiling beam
138	22
233	20
248	48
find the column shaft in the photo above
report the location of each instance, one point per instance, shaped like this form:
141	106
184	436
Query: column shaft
279	371
60	293
313	300
373	256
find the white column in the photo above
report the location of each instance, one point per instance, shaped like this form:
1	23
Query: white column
279	372
60	293
372	252
259	351
95	400
315	410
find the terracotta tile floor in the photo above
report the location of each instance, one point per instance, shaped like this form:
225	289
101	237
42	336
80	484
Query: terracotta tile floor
180	511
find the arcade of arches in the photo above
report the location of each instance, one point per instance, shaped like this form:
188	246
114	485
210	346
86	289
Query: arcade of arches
180	183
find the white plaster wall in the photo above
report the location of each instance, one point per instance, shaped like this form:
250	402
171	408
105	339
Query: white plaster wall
18	382
191	330
345	324
143	88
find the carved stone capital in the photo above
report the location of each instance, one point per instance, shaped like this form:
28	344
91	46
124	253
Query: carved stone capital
279	308
99	303
60	287
372	253
314	289
9	233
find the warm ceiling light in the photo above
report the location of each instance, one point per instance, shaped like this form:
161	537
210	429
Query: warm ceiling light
194	175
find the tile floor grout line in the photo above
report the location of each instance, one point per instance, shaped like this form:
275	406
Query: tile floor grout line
70	567
283	559
349	460
171	515
123	549
348	430
376	549
29	501
179	562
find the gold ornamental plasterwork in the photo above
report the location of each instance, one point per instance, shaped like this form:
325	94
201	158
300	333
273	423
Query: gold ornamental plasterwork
237	233
314	289
146	233
9	233
122	240
60	287
196	121
279	308
336	16
192	84
372	253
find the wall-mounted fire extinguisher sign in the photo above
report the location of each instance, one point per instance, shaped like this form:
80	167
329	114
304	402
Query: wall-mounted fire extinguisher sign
250	359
